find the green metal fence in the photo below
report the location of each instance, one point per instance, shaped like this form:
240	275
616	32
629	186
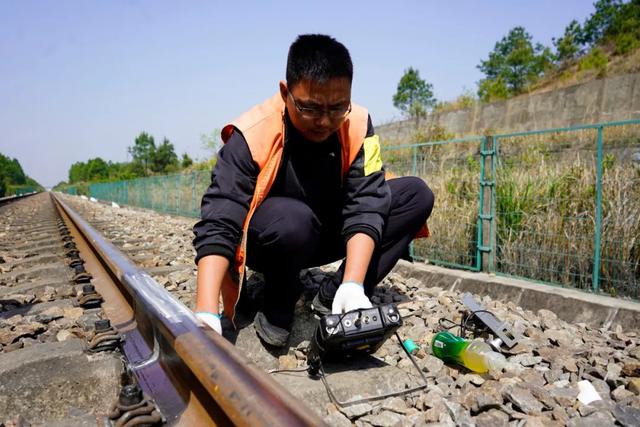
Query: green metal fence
559	206
73	190
178	194
568	206
451	168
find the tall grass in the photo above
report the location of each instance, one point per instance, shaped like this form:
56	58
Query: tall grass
545	207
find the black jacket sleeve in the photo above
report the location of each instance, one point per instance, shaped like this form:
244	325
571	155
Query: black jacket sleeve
367	198
226	202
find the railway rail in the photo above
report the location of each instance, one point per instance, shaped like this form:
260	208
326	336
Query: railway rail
124	350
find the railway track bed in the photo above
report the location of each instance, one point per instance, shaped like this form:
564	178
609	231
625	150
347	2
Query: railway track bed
539	386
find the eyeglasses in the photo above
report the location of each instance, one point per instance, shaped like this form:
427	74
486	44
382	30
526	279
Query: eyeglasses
316	113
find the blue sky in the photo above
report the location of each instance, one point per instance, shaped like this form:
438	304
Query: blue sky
81	79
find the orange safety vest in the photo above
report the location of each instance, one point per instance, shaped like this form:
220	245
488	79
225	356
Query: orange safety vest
263	129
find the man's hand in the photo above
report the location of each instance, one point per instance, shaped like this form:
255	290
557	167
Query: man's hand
212	320
350	296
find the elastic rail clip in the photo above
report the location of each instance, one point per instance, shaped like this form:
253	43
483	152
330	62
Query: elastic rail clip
133	408
89	298
105	337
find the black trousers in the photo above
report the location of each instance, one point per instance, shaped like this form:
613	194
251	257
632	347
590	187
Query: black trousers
285	236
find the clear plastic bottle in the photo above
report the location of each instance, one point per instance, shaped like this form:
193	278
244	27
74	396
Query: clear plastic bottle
474	355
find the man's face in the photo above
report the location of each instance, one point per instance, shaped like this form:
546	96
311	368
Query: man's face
317	109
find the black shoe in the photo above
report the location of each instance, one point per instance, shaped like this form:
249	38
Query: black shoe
269	333
320	307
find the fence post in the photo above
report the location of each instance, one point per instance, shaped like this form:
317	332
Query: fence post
414	172
598	231
487	217
414	161
164	192
193	195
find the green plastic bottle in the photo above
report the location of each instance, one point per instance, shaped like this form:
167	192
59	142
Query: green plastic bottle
474	355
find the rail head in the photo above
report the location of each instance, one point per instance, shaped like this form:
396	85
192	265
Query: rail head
246	394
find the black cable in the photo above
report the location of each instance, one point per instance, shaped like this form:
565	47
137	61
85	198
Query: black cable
335	400
464	325
477	330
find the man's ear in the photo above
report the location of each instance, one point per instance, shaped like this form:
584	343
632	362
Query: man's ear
283	90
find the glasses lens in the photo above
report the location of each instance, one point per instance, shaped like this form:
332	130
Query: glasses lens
339	112
316	113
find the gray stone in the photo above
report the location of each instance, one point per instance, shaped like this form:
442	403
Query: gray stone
395	404
538	422
431	364
529	360
586	410
523	400
542	395
631	368
560	415
533	377
356	411
492	418
621	393
597	419
475	379
456	411
438	408
337	419
626	415
552	375
287	362
384	419
558	337
565	396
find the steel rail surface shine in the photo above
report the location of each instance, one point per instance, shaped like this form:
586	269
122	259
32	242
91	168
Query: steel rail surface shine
176	361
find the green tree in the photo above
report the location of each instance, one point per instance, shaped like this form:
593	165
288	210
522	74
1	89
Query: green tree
143	151
12	170
186	161
12	177
414	96
624	28
3	183
516	62
211	142
77	172
165	158
97	169
597	24
568	46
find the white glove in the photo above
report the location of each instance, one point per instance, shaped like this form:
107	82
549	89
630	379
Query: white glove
211	320
350	296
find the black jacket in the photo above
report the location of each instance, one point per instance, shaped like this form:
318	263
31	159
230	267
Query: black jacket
310	172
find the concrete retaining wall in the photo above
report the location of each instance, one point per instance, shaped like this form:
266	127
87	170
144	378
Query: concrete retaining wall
568	304
614	98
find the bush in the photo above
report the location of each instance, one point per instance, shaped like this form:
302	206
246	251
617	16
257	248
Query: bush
594	60
626	43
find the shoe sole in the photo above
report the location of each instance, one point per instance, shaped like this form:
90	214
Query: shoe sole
267	337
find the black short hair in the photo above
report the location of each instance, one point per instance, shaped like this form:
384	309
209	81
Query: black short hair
317	57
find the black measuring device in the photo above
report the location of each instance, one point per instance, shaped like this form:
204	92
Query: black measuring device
357	332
